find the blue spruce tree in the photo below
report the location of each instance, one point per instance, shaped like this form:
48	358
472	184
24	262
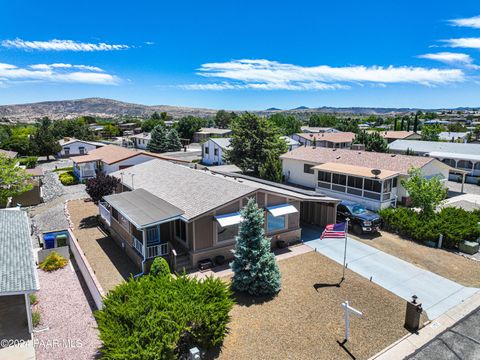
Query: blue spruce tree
255	268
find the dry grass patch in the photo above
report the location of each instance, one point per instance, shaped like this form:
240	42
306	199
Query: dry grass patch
305	320
441	262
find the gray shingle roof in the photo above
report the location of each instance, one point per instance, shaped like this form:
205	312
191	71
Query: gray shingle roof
17	268
429	146
195	192
224	143
142	207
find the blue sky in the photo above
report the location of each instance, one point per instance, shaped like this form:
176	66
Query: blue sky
243	54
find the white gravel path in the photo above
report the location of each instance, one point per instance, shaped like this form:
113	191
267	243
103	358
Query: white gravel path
66	312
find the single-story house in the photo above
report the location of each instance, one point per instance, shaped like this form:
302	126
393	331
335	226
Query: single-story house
140	141
205	133
74	147
291	143
18	275
111	158
326	139
453	136
8	153
316	130
391	135
34	196
372	179
461	157
188	215
213	151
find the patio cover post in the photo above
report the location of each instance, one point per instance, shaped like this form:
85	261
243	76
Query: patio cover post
29	313
463	182
345	250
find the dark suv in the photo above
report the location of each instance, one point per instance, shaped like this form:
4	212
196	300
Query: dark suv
361	219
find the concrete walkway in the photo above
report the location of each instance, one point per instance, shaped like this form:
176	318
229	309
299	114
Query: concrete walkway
436	293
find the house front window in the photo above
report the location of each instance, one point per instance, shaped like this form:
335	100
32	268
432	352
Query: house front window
82	150
276	223
215	152
66	150
307	169
207	150
226	233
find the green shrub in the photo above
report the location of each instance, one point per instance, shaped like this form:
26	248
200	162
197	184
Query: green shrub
68	178
455	224
36	318
53	262
160	267
33	298
29	162
161	317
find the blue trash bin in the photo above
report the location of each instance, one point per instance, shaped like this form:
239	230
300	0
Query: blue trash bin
49	241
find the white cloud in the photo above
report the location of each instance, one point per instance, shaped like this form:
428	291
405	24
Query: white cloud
451	59
61	45
56	73
473	22
469	43
271	75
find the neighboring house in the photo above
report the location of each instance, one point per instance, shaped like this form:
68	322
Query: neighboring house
74	147
140	141
460	156
328	140
349	174
18	275
8	153
213	151
34	196
316	130
205	133
189	215
391	135
291	144
111	158
453	136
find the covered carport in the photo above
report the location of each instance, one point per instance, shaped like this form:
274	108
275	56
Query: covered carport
18	279
318	213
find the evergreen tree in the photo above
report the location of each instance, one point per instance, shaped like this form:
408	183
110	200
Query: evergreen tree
254	266
373	141
408	124
44	141
158	141
252	140
172	139
271	169
415	123
395	121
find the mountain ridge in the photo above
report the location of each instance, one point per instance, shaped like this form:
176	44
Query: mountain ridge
110	108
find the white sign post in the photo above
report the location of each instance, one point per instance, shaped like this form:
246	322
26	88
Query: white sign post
347	309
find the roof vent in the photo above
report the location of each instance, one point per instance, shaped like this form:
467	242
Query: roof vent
338	157
393	155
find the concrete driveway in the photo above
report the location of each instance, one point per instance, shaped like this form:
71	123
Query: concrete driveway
436	293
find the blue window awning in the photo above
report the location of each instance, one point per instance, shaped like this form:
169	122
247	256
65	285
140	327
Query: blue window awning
229	219
282	209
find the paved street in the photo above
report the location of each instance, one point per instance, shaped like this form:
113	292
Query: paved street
436	293
461	341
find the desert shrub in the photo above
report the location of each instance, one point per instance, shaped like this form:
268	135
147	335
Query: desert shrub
33	298
161	317
53	262
160	267
29	162
36	318
68	178
455	224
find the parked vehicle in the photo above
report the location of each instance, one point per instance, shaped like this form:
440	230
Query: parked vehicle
361	220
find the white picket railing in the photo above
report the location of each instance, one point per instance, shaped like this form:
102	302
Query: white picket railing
157	250
105	214
137	245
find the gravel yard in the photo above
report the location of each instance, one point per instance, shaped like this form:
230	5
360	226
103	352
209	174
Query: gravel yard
110	263
66	313
306	321
442	262
50	215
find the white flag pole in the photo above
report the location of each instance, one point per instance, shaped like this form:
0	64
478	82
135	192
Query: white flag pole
345	250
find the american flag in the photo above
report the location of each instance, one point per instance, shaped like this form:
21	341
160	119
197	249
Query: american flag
334	231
